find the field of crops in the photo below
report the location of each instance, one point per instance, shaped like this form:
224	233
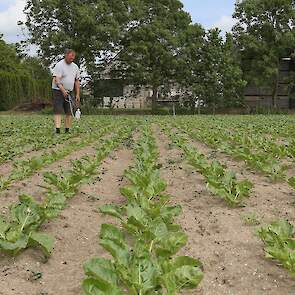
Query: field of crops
148	205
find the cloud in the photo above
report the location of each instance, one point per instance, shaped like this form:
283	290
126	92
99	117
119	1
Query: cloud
8	21
225	23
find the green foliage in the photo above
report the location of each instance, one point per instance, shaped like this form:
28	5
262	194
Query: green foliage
136	41
24	168
257	152
20	231
16	88
19	82
279	241
211	70
265	34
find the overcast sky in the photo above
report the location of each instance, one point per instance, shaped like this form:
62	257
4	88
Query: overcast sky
209	13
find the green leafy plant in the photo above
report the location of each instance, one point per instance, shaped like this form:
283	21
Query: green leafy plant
26	168
251	219
21	230
279	241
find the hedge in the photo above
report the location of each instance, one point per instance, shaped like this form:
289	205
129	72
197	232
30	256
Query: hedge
18	88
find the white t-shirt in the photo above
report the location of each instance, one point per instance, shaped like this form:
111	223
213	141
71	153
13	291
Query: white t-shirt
68	74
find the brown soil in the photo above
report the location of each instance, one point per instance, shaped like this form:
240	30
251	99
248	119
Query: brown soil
76	232
232	255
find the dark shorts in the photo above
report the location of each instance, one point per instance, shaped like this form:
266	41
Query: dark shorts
60	105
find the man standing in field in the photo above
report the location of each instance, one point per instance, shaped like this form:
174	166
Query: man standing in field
66	77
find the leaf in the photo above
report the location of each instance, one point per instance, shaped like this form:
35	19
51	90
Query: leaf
4	226
112	210
182	273
101	270
118	249
291	182
53	204
28	214
279	243
111	232
15	246
130	193
95	287
171	244
45	241
170	213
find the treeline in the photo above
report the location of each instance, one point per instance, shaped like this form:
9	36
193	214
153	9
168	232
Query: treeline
21	79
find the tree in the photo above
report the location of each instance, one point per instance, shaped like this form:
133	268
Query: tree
84	26
213	74
232	75
264	33
190	68
36	69
9	61
21	79
149	52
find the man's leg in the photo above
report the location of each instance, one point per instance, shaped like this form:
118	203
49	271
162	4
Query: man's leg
68	118
57	121
68	122
58	109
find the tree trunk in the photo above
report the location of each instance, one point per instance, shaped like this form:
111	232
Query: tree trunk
276	86
275	91
214	109
154	98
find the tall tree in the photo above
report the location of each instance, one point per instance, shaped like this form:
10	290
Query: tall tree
9	60
149	54
88	27
265	33
232	75
213	75
190	67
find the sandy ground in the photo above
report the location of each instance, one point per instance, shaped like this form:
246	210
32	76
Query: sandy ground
232	255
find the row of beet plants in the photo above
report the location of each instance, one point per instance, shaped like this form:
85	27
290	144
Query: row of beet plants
145	240
21	228
28	167
221	181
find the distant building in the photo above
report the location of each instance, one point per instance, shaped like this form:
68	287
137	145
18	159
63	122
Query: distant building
262	96
114	93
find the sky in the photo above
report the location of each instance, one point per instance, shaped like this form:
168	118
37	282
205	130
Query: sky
209	13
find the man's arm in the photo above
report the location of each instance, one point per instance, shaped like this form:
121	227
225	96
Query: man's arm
60	86
77	90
